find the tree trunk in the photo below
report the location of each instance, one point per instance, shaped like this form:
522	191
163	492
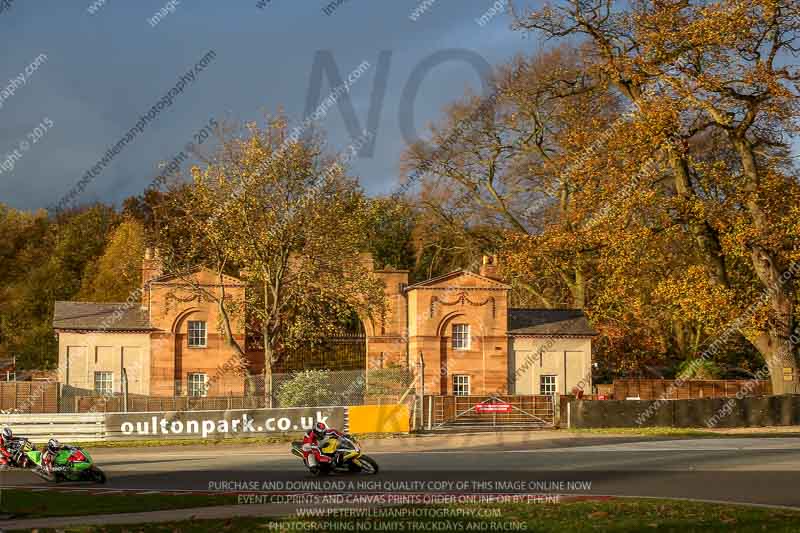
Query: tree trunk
269	354
775	344
703	234
269	351
781	366
679	334
579	289
239	353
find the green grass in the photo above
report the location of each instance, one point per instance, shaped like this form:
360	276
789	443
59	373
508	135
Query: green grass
679	432
27	504
621	515
645	432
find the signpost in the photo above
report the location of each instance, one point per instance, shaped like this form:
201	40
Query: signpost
500	407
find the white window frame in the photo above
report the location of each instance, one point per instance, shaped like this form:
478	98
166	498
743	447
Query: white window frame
197	388
459	382
192	337
461	340
542	384
110	381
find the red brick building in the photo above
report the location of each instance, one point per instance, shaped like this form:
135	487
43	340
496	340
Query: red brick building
459	324
166	338
471	342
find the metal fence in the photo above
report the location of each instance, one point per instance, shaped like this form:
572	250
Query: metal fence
347	387
306	388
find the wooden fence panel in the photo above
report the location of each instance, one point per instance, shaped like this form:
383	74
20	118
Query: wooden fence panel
654	389
29	396
141	404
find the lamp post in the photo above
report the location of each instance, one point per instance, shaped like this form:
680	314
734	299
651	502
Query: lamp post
421	395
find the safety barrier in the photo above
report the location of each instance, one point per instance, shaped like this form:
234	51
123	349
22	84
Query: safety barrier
212	425
66	427
764	411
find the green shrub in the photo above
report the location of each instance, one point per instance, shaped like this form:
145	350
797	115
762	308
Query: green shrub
699	369
308	388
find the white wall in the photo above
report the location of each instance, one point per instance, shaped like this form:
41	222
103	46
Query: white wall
80	355
570	360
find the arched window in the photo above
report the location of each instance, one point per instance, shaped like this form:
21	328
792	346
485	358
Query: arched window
460	337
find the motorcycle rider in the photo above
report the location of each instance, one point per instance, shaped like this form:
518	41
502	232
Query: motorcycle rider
11	449
50	453
7	447
316	439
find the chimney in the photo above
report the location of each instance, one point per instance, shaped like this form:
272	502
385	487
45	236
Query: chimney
151	268
489	267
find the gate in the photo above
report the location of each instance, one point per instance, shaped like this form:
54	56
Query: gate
489	413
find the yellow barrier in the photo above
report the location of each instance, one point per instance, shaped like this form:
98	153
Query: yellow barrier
378	419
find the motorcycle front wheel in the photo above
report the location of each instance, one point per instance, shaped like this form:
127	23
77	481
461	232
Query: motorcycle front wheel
42	473
97	475
368	465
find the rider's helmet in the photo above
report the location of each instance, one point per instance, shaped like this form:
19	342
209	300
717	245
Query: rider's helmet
53	445
5	437
319	429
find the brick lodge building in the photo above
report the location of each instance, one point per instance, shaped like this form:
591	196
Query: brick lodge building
458	325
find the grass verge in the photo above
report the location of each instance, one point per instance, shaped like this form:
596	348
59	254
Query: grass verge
606	515
28	504
685	432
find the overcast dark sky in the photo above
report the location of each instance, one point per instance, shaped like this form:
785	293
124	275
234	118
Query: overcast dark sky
103	71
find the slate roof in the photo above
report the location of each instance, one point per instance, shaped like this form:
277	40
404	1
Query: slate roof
107	316
567	322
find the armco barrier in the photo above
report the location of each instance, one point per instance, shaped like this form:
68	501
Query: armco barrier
379	419
65	427
234	423
781	410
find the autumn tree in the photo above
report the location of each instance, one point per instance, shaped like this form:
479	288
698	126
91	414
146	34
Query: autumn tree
390	233
496	166
42	260
117	273
286	215
714	104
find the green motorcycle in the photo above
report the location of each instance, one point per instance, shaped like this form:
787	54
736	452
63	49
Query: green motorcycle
70	464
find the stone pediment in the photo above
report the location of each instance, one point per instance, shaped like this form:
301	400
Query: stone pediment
459	279
200	276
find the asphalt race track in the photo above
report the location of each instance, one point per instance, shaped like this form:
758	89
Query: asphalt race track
762	470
